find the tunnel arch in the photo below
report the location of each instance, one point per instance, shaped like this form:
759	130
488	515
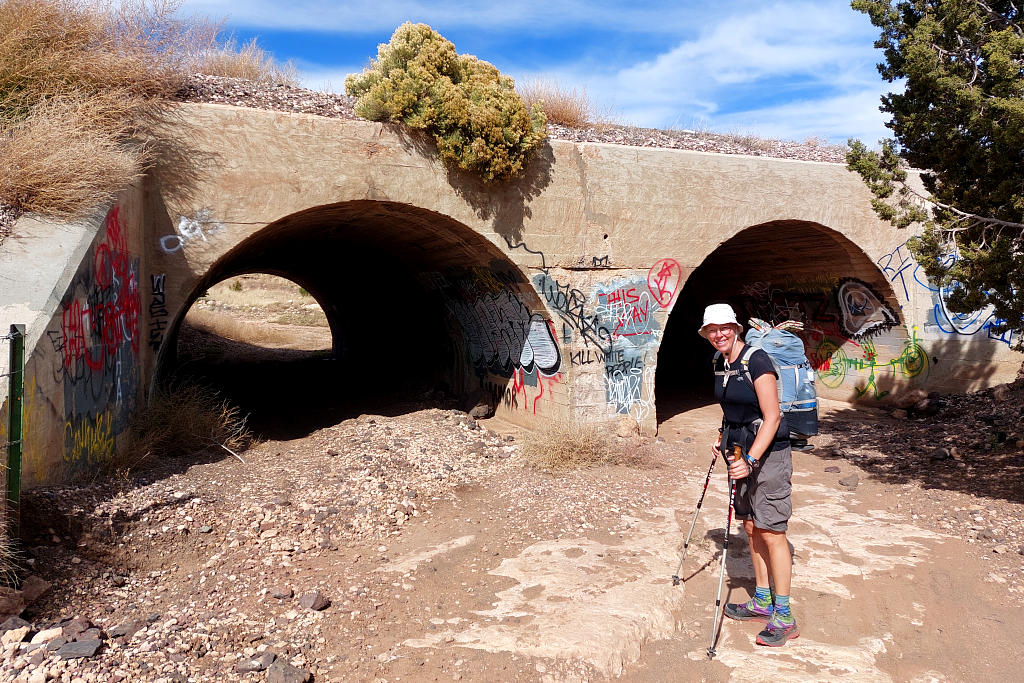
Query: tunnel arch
409	295
779	270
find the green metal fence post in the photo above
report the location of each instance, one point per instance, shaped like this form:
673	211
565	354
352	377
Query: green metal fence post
16	408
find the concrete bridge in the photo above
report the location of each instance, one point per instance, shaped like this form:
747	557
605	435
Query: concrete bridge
575	292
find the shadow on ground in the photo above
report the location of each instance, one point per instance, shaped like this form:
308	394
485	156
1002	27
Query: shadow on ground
970	445
288	393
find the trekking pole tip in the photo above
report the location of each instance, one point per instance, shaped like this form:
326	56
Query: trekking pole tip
676	580
711	653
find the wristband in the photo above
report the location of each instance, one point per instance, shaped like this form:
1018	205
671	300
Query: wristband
750	460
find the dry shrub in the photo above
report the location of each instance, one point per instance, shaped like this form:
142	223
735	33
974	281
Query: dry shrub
183	420
8	558
230	327
249	62
470	108
62	158
751	142
566	107
87	94
565	444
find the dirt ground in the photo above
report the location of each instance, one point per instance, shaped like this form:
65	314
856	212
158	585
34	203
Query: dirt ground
417	545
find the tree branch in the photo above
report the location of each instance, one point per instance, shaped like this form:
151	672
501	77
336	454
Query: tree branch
963	214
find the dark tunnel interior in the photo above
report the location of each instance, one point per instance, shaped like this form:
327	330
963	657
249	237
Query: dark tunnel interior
384	275
776	271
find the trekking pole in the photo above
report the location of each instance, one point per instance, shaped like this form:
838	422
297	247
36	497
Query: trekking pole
675	577
725	551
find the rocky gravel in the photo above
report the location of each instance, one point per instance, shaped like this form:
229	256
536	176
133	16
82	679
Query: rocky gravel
281	567
226	568
269	569
240	93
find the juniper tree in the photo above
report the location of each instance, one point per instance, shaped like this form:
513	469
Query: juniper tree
960	119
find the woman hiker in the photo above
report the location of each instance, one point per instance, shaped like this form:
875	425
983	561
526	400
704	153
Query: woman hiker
746	388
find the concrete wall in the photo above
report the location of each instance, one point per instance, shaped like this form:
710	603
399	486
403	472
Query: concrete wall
556	292
77	287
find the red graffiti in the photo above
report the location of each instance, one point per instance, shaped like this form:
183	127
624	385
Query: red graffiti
94	328
553	380
663	280
629	310
519	385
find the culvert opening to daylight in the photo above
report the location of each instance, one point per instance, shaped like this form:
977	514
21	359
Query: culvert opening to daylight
782	270
364	307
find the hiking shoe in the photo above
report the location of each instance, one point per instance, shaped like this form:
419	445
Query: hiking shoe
775	633
747	611
800	445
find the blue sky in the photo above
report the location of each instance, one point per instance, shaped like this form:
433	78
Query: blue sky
787	69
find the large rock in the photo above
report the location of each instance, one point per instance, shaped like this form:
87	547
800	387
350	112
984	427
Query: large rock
314	600
626	427
34	587
283	672
79	649
260	662
12	622
12	602
928	406
908	398
15	635
481	411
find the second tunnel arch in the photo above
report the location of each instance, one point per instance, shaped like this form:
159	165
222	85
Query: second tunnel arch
410	295
787	270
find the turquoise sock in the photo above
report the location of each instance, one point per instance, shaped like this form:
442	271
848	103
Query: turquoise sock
782	612
763	596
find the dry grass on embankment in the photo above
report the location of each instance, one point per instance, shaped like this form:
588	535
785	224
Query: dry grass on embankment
560	105
86	92
569	444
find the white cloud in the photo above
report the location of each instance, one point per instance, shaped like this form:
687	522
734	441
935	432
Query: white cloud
752	58
835	119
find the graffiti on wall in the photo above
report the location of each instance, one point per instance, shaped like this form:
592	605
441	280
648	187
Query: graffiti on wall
846	322
617	326
845	308
157	310
833	364
503	336
96	346
862	310
664	281
89	438
190	229
906	275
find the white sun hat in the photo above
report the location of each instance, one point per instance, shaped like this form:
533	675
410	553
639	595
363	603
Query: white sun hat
719	314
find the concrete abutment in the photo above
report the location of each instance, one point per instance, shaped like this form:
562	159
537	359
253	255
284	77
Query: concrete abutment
574	293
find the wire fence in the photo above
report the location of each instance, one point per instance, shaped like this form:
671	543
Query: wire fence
13	375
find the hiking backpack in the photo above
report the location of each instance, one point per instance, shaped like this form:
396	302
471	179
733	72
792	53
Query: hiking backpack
798	398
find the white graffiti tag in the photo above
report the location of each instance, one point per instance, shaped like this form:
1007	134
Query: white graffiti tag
190	229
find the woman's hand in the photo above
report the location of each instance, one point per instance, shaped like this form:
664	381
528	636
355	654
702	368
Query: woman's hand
716	449
738	469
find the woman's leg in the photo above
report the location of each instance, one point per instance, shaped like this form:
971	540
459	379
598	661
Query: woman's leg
780	561
759	554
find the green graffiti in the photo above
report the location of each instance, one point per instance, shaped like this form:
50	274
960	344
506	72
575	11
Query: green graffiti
833	364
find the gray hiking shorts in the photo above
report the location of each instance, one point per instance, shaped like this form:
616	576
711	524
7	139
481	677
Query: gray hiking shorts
765	495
